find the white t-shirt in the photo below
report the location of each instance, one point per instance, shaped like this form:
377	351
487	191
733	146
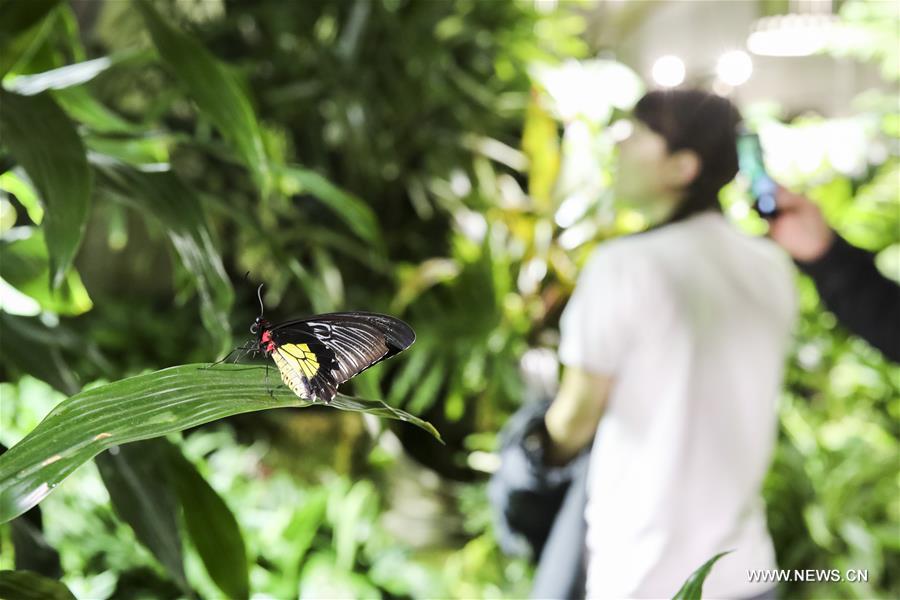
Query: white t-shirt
693	321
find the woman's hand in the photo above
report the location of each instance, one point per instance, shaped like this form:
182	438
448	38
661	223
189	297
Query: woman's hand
799	227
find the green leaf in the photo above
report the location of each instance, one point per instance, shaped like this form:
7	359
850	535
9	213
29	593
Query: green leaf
24	264
59	171
350	515
18	17
302	530
138	151
144	407
322	578
136	477
47	346
213	88
380	409
58	79
30	547
358	215
212	527
25	585
90	112
165	198
540	141
141	583
33	552
693	587
17	183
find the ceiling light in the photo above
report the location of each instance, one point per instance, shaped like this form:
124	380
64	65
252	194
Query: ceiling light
668	71
734	67
791	35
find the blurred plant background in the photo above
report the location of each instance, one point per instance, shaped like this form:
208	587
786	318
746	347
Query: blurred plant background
446	162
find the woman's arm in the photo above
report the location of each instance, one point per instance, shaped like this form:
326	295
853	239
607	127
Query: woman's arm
575	413
864	300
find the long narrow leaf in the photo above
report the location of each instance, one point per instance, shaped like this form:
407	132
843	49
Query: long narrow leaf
165	198
31	549
59	170
24	264
693	587
23	29
89	112
211	525
26	585
139	408
358	215
19	16
48	349
213	89
58	79
43	360
137	480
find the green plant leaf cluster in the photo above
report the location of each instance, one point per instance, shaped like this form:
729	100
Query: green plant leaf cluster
159	160
139	408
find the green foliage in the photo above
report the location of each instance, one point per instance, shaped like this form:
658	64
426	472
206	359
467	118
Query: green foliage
867	31
212	527
59	170
165	198
148	482
140	408
25	585
24	264
135	478
386	155
219	97
693	587
21	22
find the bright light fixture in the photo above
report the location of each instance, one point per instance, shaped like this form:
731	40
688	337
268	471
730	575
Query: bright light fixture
668	71
734	67
791	35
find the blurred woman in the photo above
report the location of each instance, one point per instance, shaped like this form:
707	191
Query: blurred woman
673	344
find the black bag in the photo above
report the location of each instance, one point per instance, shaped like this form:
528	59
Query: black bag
539	509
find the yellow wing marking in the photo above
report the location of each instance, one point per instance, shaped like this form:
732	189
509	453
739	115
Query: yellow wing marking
290	375
304	359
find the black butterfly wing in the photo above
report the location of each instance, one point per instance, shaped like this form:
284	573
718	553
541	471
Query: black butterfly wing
321	352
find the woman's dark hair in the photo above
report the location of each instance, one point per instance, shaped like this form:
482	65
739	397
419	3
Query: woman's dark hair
701	122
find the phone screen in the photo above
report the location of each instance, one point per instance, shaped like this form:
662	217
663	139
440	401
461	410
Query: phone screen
753	168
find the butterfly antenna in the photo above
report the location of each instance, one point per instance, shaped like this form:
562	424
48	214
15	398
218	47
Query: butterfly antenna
259	295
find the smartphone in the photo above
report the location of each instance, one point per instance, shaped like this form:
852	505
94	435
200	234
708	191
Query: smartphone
753	168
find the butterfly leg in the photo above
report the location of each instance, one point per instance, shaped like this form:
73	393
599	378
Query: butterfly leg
268	387
236	351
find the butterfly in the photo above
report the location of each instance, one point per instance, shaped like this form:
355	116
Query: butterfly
317	354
